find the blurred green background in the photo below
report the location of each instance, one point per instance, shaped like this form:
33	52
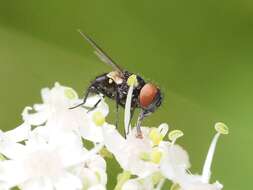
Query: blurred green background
199	52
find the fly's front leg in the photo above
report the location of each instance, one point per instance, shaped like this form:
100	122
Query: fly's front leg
91	89
95	105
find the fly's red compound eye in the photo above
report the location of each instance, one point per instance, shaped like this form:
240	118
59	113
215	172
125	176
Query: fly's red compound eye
147	94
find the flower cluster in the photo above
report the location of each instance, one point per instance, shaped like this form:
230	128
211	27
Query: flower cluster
50	150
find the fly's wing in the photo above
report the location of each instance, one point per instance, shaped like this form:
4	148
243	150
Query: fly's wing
101	54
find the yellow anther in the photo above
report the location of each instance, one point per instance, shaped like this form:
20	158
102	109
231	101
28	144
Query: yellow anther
175	134
70	93
155	136
98	118
132	80
221	128
156	156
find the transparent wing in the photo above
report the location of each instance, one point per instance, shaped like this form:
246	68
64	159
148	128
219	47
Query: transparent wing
100	53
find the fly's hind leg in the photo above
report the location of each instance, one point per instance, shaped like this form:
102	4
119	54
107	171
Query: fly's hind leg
117	109
142	114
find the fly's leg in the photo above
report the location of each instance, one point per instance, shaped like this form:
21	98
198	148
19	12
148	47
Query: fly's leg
91	89
117	110
95	105
138	126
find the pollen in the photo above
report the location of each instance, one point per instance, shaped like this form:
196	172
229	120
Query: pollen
132	80
98	118
155	136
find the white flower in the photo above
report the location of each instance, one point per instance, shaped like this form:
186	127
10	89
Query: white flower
44	164
129	152
55	111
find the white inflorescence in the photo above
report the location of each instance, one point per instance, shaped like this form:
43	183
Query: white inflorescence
49	151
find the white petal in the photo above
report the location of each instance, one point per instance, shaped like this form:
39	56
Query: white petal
97	187
92	132
12	173
34	118
174	162
37	184
132	185
12	150
45	94
19	134
68	182
96	161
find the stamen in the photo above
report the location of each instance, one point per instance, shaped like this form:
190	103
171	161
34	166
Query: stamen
174	135
132	82
221	128
163	129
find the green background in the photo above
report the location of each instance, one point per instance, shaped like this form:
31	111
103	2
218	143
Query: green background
198	52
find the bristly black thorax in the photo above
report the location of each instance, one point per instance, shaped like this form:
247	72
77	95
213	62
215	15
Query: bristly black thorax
104	85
